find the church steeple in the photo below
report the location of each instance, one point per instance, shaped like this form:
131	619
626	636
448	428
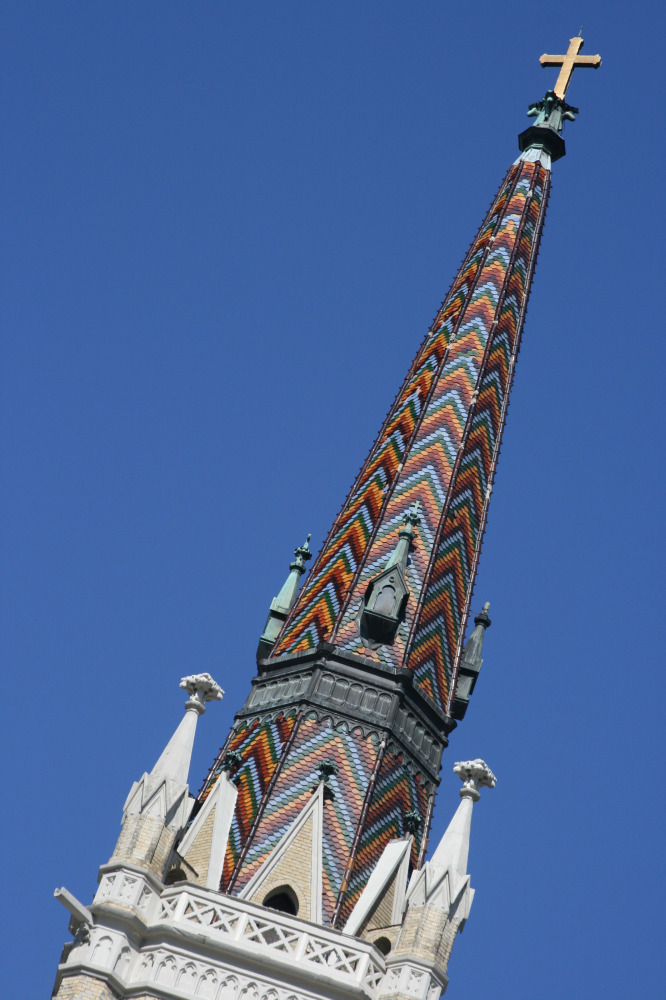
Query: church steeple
439	445
315	815
367	667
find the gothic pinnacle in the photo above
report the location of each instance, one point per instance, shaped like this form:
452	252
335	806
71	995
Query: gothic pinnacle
470	664
174	761
285	600
302	554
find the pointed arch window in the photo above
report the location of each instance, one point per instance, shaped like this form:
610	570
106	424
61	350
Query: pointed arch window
283	899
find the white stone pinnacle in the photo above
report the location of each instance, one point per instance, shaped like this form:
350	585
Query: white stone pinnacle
453	849
175	760
474	774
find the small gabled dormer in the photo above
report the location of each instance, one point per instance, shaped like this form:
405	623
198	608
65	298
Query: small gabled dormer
385	599
470	665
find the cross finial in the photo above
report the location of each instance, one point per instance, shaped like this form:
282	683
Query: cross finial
568	64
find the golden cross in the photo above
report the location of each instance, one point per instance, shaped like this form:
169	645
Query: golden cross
568	63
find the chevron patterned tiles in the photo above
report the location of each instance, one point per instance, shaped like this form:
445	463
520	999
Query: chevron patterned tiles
260	746
396	793
326	588
354	756
438	447
450	577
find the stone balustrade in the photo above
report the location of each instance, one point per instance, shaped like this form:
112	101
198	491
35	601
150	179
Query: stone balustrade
200	943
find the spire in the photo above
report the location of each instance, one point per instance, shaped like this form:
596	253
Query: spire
367	664
439	445
470	665
284	602
375	694
451	854
452	851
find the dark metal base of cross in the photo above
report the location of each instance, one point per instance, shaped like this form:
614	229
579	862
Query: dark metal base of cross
543	137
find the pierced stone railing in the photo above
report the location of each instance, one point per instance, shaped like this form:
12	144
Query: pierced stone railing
277	935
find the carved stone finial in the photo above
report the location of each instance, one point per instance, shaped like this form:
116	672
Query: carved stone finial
201	688
474	774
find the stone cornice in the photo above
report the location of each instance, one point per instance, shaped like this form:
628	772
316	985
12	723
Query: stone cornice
355	691
188	933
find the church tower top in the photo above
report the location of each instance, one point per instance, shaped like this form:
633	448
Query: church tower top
301	865
553	110
366	666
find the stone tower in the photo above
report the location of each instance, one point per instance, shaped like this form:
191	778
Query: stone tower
299	869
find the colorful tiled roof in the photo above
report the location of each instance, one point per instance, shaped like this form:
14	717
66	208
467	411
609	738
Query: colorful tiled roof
439	445
436	453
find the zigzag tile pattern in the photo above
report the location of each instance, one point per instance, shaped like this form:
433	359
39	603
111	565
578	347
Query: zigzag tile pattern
396	793
450	411
326	588
314	743
450	577
430	463
260	745
438	445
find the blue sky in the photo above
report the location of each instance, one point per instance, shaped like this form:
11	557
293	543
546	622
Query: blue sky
227	227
